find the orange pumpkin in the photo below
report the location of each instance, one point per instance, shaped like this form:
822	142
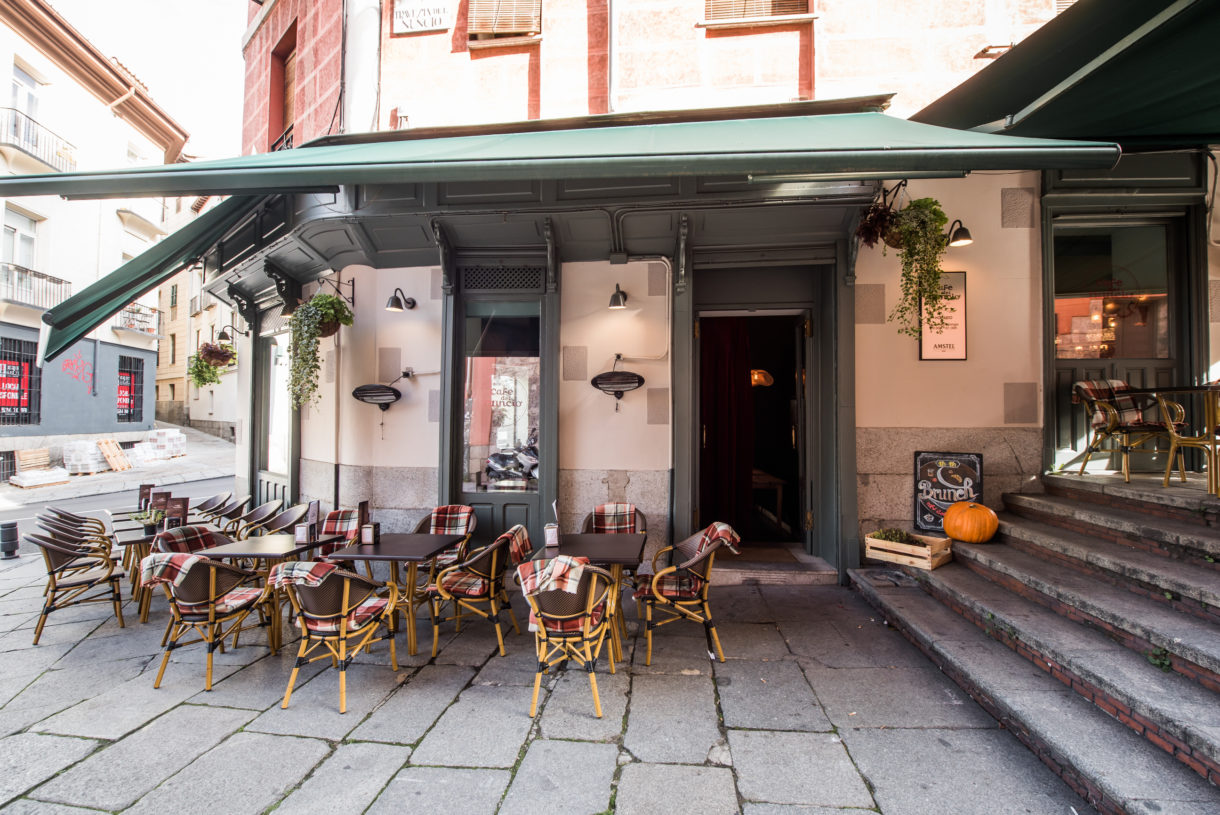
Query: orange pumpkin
970	522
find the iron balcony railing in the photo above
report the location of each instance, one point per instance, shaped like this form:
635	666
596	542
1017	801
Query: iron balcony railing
24	133
201	301
137	317
284	142
30	288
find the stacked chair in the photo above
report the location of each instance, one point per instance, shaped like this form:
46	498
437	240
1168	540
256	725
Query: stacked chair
81	564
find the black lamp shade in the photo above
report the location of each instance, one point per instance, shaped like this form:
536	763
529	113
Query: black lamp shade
399	301
619	298
959	236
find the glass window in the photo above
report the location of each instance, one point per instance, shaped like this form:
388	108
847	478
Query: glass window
279	407
490	19
20	382
19	234
501	396
739	9
130	400
1112	293
25	92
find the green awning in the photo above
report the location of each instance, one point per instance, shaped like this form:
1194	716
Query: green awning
842	145
1139	72
864	143
78	315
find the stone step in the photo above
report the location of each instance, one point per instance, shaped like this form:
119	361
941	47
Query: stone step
1188	502
1099	752
1189	587
1125	526
808	571
1142	624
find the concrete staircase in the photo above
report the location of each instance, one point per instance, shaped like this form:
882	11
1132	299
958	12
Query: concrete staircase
1090	627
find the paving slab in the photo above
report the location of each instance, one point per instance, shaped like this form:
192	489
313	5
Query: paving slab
314	707
797	768
516	667
894	697
486	727
128	706
796	809
674	651
28	759
69	686
118	775
859	643
570	777
966	772
259	685
411	710
246	773
751	640
474	646
24	806
568	712
743	604
442	791
672	719
349	780
768	696
13	721
647	789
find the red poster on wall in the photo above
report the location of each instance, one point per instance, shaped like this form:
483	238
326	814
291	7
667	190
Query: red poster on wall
14	387
124	400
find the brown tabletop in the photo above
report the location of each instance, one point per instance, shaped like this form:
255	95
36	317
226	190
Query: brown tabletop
266	546
400	547
600	547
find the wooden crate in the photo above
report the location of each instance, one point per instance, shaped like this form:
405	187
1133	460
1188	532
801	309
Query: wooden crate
928	554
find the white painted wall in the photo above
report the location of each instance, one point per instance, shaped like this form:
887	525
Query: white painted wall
592	436
1003	319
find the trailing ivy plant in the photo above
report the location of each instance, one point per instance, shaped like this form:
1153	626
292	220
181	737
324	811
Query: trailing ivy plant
201	371
311	321
918	228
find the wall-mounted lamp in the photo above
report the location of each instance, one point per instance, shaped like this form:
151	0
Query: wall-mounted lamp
960	236
225	336
399	301
619	298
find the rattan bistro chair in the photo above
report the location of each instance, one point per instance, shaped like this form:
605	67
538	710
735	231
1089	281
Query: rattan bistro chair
281	522
568	616
334	607
71	574
477	585
253	518
681	591
1130	420
203	509
452	519
207	597
230	511
1173	415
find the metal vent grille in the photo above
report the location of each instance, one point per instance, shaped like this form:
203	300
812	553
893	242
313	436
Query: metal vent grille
500	278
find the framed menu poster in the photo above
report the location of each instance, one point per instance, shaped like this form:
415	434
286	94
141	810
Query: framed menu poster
941	480
951	342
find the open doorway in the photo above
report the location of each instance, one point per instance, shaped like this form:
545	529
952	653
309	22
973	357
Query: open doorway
751	383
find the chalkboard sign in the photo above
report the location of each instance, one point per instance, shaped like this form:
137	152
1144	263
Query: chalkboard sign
943	479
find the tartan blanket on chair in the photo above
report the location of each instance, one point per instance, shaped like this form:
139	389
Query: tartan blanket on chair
453	519
167	567
614	519
1109	391
722	532
345	522
561	573
519	546
305	572
183	539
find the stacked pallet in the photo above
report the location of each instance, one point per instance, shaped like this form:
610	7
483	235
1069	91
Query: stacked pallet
83	458
34	469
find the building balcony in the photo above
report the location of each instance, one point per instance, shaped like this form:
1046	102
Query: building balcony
284	142
20	131
27	287
139	318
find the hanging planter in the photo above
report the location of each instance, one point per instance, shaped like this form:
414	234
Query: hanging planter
320	317
217	354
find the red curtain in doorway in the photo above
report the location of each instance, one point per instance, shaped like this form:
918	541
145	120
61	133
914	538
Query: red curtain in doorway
726	407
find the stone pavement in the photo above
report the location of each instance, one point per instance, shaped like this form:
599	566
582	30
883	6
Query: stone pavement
206	457
819	709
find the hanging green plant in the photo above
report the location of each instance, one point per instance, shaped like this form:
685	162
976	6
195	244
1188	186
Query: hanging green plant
202	372
320	317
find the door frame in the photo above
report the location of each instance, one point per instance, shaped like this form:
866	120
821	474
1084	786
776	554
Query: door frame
263	480
830	366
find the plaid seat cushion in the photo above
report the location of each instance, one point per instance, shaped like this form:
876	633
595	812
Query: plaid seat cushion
448	557
360	616
613	519
453	519
304	572
167	567
561	573
568	627
673	586
235	600
345	522
185	539
519	546
464	584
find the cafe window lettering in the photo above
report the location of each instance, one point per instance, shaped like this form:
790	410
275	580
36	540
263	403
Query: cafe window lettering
1112	293
20	382
130	400
501	397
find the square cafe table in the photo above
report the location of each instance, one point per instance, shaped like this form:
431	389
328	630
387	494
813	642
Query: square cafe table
614	550
411	549
273	549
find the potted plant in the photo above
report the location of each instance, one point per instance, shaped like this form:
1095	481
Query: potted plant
150	519
320	317
217	354
203	368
